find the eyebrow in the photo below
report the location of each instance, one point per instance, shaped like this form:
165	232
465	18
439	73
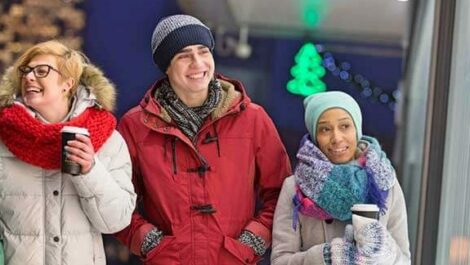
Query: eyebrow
28	65
340	119
199	47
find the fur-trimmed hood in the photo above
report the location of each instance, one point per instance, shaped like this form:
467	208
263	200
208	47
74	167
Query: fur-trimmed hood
92	78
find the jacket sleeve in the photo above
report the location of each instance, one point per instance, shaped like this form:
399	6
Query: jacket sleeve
286	247
397	226
272	167
133	235
106	193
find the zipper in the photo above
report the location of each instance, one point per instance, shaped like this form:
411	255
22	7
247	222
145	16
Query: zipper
44	215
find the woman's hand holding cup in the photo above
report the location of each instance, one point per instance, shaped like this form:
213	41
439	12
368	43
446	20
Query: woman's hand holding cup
372	238
78	152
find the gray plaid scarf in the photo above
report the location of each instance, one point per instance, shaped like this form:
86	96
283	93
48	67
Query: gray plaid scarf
189	120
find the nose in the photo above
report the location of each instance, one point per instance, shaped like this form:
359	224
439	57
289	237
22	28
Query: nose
196	59
335	136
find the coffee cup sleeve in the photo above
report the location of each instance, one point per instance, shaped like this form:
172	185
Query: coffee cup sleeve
359	221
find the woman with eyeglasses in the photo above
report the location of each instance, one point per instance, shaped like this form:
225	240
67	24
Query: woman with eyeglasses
46	216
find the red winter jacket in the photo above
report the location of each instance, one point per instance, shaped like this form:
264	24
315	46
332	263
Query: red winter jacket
202	196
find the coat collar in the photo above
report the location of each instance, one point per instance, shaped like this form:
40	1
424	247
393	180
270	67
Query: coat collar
233	99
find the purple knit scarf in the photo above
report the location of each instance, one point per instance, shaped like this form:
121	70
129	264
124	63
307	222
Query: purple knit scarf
325	190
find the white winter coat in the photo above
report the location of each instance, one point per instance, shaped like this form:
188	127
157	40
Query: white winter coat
51	218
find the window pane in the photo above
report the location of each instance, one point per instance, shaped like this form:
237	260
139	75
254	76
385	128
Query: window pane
454	228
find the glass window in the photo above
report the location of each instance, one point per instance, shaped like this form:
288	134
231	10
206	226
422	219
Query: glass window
453	245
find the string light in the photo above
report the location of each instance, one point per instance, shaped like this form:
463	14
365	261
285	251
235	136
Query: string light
24	23
311	62
366	88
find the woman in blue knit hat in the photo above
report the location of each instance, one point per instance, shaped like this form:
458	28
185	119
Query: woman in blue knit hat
339	167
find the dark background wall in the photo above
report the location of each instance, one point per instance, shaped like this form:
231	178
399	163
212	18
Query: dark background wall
117	38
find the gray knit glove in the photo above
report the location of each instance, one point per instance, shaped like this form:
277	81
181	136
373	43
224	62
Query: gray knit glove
372	239
342	251
339	252
151	240
255	242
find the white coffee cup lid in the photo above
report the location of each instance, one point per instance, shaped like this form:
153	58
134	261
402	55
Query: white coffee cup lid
365	207
73	129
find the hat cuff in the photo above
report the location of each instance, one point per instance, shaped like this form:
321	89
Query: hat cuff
177	40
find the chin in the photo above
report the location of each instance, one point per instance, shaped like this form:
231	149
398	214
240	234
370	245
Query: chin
29	103
202	87
341	160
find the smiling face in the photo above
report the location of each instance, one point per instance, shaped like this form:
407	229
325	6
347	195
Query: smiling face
190	72
336	135
47	94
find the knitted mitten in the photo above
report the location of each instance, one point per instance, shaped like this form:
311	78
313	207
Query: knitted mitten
151	240
255	242
372	239
342	251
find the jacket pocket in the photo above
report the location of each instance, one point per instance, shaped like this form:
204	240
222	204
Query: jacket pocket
234	252
166	253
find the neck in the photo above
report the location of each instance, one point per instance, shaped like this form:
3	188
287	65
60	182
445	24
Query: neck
54	115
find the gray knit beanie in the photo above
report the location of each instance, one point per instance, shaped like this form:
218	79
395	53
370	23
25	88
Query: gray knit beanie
175	32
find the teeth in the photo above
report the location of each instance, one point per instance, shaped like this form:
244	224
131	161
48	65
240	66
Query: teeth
197	76
339	150
33	90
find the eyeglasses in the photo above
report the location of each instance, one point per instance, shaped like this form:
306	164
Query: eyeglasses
40	70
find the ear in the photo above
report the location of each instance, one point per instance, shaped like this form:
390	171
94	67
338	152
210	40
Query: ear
68	84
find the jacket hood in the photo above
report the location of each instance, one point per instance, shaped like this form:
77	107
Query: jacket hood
234	98
92	78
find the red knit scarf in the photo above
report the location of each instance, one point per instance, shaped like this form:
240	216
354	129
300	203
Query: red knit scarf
39	144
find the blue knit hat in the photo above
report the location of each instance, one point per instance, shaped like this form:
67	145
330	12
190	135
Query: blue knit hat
318	103
175	32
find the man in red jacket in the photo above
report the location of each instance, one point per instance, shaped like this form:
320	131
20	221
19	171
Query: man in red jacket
202	154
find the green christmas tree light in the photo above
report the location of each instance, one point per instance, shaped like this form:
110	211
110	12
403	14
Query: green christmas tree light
307	72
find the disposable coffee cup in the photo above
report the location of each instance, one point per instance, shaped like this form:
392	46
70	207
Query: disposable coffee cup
366	210
67	165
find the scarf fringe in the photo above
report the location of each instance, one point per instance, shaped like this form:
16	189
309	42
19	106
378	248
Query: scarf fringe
375	195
